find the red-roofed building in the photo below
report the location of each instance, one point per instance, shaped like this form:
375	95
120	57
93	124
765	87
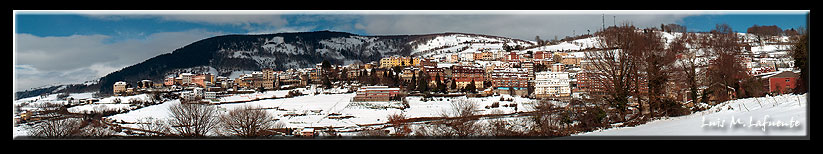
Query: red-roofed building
463	76
783	82
375	93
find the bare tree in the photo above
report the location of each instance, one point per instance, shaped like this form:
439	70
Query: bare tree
97	129
455	122
659	65
60	128
398	122
690	58
71	127
247	121
544	121
614	68
193	120
501	127
158	127
725	71
436	129
373	133
458	113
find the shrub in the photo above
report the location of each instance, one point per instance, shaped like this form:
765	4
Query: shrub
62	96
673	108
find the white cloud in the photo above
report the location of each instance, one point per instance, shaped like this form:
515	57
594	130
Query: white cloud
78	58
521	26
269	20
272	30
27	77
215	19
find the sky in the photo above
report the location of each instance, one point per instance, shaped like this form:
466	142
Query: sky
60	47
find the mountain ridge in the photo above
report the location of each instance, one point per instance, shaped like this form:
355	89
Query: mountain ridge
280	51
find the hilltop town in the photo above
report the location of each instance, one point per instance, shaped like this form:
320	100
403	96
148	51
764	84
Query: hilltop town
558	79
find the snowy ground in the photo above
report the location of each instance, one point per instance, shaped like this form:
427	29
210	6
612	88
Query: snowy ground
749	116
315	111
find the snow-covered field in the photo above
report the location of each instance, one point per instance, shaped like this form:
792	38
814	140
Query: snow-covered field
783	115
315	111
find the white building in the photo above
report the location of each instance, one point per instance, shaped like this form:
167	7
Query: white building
467	56
186	78
210	95
119	87
552	84
198	91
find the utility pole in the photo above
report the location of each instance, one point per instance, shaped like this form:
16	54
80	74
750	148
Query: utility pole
614	19
604	21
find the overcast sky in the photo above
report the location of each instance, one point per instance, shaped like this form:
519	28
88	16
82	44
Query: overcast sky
58	47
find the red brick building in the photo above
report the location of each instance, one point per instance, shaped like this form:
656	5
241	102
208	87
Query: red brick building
512	56
782	82
375	93
433	72
542	57
201	79
463	76
505	78
168	81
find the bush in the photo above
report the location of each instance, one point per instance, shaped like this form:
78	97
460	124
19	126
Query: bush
673	108
591	118
372	133
62	96
293	93
495	104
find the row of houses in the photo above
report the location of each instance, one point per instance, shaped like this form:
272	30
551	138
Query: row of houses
537	57
498	72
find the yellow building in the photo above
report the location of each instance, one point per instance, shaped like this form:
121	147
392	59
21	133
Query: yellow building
399	61
119	87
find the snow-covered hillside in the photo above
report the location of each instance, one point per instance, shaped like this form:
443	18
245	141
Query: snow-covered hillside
783	115
457	43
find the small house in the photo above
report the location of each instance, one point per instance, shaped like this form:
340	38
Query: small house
783	82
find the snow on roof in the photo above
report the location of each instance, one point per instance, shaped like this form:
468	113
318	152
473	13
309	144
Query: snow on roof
377	88
776	73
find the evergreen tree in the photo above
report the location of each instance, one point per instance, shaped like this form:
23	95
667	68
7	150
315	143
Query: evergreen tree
471	87
439	82
413	83
423	82
800	55
261	89
537	39
506	47
453	85
511	91
344	76
373	79
361	76
326	65
326	82
396	79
